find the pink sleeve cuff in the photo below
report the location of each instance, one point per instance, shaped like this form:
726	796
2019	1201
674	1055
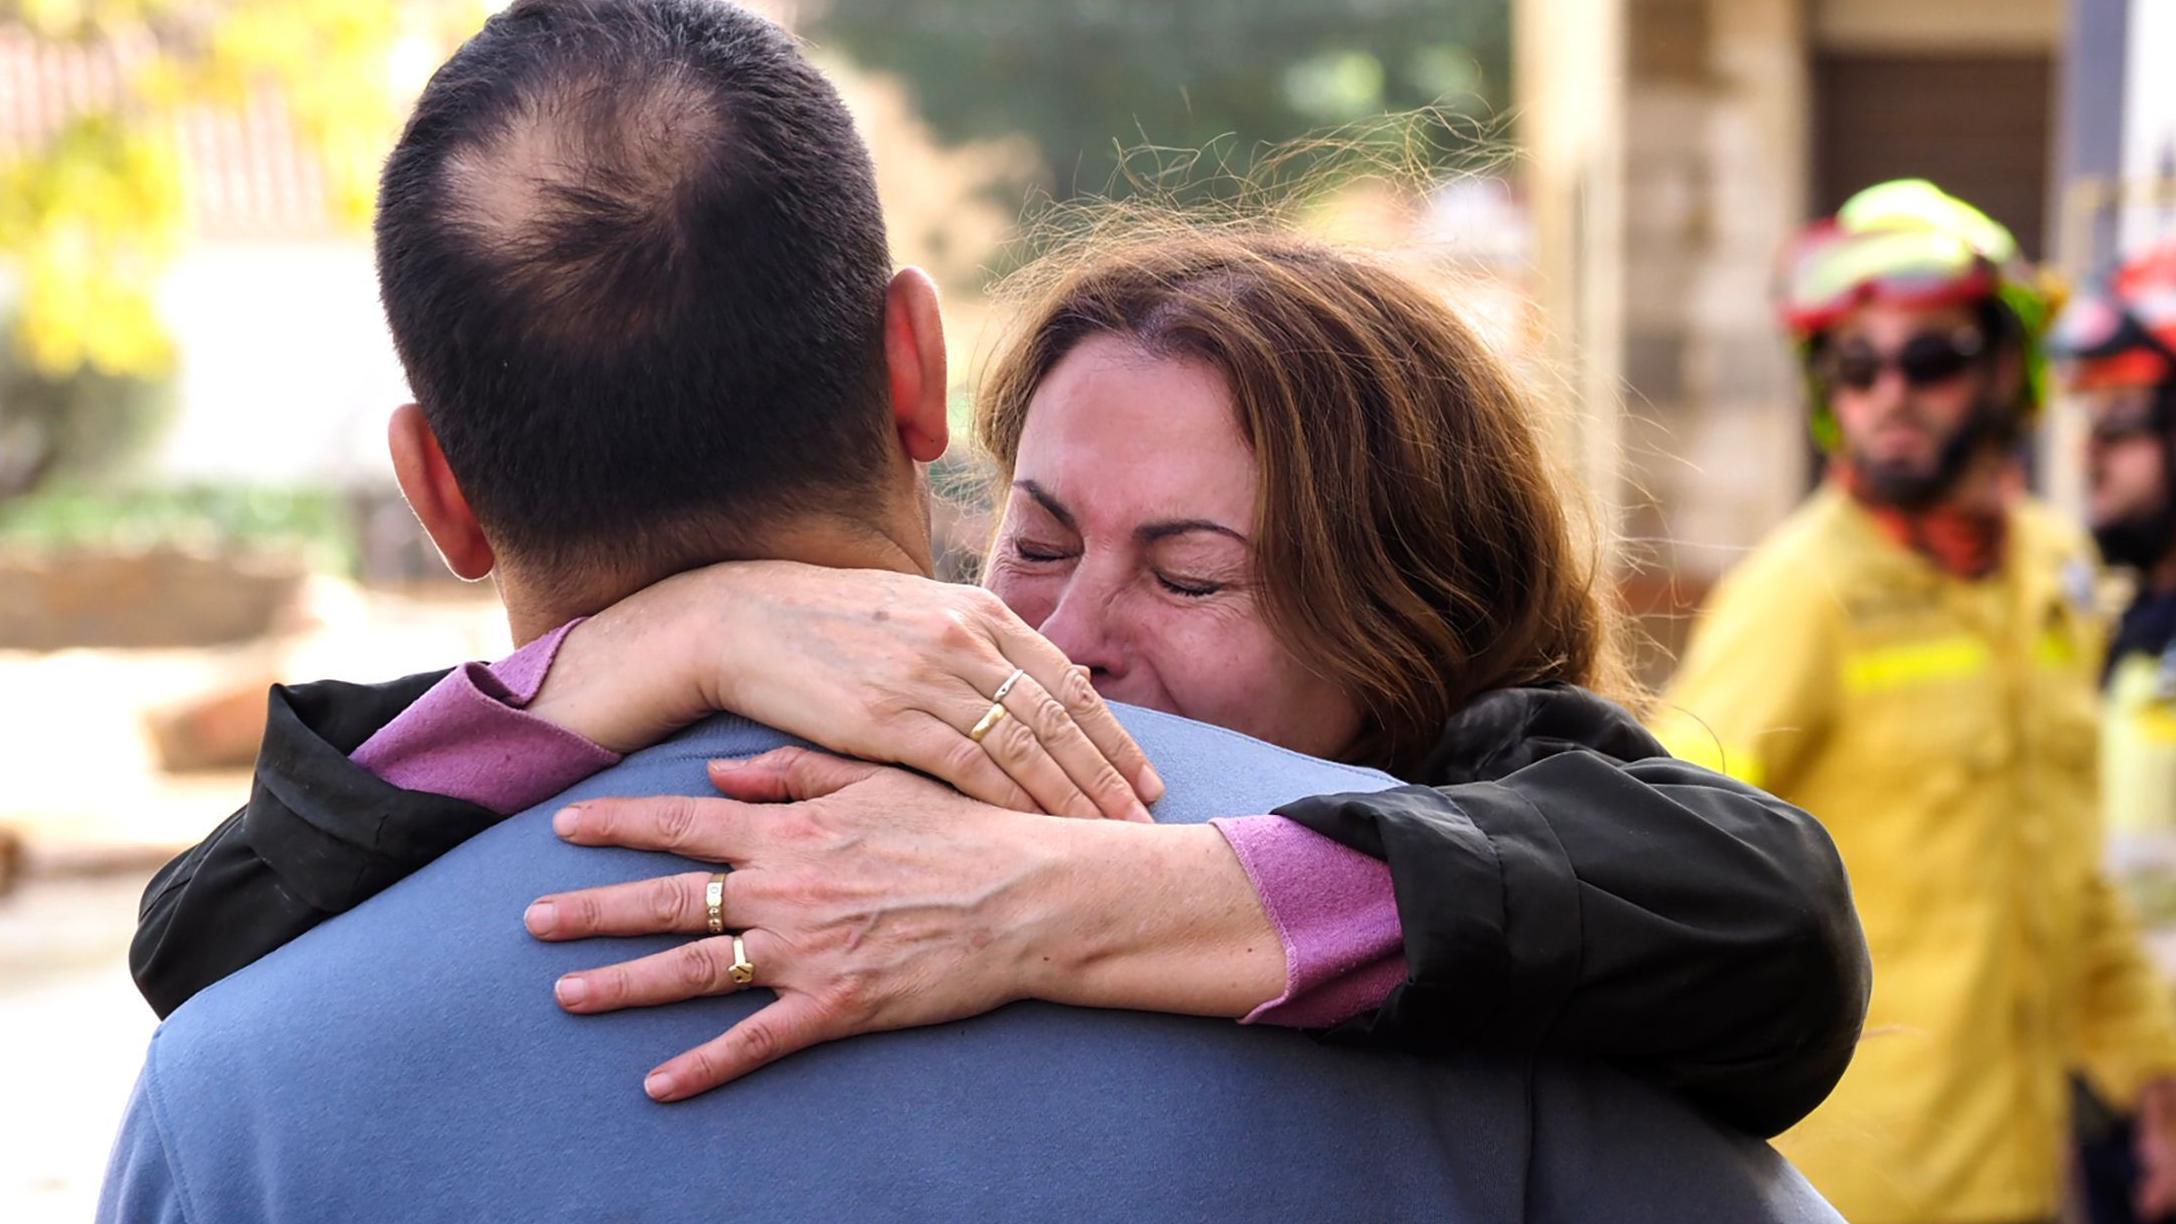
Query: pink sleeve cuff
1344	950
468	737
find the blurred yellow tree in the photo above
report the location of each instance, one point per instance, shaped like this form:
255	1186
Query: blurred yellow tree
91	212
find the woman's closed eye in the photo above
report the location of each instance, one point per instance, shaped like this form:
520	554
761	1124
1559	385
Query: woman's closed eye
1197	564
1187	586
1033	553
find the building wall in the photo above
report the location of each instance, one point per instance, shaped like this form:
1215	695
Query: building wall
1719	113
1715	175
1960	26
1717	170
287	373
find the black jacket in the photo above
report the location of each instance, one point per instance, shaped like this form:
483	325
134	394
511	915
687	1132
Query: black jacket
1566	887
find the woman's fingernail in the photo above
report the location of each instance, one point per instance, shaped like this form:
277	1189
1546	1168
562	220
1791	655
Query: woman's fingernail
727	764
570	991
540	918
564	820
659	1086
1152	783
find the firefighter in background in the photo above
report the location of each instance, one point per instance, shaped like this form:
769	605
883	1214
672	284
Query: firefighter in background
2117	353
1914	658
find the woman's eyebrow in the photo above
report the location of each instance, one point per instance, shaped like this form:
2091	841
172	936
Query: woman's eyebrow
1049	504
1146	533
1149	533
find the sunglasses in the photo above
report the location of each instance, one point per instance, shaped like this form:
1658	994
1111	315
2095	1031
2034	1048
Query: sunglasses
1926	360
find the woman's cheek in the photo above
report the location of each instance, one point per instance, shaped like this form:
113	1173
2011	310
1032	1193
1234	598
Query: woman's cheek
1032	597
1243	678
1213	663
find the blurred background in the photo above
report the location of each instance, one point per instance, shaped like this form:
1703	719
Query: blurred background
194	376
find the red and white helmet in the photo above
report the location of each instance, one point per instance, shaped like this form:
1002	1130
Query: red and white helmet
1910	243
2122	333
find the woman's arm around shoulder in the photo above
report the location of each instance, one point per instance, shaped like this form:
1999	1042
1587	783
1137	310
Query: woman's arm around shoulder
1577	891
312	841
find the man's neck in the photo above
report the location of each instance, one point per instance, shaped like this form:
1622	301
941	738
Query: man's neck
1962	532
535	608
1981	489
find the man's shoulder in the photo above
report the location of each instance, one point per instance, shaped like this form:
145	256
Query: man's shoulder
372	1059
1822	534
1798	575
1223	743
1608	1146
1212	771
453	912
2048	537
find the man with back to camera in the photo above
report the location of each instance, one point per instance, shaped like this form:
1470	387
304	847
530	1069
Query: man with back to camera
632	257
1911	658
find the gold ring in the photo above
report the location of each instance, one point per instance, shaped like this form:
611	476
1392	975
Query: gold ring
999	697
714	902
742	969
988	722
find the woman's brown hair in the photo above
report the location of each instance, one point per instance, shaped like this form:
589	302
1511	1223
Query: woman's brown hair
1410	541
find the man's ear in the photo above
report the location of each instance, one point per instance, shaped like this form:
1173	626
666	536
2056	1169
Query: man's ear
425	480
914	361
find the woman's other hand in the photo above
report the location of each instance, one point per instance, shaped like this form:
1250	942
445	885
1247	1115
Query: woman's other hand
877	665
870	898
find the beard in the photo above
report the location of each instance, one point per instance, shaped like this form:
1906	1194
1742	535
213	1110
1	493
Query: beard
2140	540
1903	485
2144	538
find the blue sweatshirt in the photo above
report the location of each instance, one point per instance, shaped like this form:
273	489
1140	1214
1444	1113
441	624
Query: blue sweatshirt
406	1061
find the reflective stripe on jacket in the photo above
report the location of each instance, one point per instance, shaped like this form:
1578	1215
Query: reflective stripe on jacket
1944	731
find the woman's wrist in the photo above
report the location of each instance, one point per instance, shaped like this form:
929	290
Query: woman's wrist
732	647
630	675
1152	918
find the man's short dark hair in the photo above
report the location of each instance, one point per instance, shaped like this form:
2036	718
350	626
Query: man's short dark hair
633	261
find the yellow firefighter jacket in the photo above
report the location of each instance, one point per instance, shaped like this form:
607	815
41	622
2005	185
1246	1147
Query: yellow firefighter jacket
2138	785
1943	730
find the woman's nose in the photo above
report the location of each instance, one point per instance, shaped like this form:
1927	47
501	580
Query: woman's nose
1080	625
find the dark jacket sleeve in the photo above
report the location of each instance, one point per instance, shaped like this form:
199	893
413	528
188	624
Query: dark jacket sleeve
1572	889
319	836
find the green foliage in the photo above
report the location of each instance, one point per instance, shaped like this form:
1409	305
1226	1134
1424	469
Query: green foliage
68	517
92	213
90	219
1087	78
84	424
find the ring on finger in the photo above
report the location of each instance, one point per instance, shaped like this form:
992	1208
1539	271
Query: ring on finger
714	905
987	723
742	970
997	712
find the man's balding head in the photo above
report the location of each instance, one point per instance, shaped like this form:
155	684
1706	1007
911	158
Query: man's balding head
633	262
